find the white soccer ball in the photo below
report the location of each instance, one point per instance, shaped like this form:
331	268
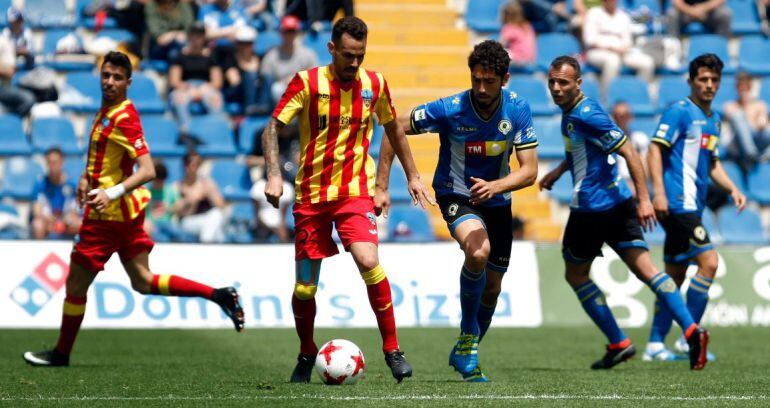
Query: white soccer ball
340	362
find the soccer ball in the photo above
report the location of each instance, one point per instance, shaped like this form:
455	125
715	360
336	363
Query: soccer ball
340	362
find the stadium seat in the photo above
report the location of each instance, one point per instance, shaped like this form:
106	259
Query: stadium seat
640	6
232	178
735	173
88	21
241	223
215	135
47	14
483	16
552	45
376	142
247	132
399	188
407	223
19	176
644	125
12	139
590	89
745	19
549	138
711	43
562	189
764	90
89	87
535	92
74	167
4	5
759	183
743	228
51	60
753	55
54	132
726	93
671	89
118	35
144	95
9	231
266	41
632	90
317	42
162	136
175	168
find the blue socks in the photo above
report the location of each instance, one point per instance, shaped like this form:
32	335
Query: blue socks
594	303
471	287
698	296
668	295
484	317
661	323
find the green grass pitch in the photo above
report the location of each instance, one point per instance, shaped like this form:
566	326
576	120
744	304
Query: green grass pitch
546	366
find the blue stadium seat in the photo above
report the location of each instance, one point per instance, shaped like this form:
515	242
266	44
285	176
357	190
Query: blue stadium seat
671	89
753	55
317	43
640	6
549	138
175	168
632	90
399	188
735	173
483	16
376	142
745	19
9	232
89	86
562	189
711	43
764	90
144	95
758	183
118	35
241	223
50	39
48	14
552	45
535	92
644	125
4	5
247	132
266	41
215	134
232	178
726	93
743	228
54	132
19	176
409	224
74	167
590	89
162	136
13	141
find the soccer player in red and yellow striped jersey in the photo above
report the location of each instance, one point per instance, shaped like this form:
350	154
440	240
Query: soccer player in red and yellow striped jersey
336	105
115	199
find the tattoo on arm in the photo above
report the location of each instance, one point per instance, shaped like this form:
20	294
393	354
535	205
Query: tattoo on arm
270	148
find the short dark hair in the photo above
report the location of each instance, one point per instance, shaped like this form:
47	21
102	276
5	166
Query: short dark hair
563	60
161	172
189	155
54	150
350	25
708	61
118	59
744	76
490	55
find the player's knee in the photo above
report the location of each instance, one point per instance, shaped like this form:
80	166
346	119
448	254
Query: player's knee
575	278
708	266
367	262
490	295
477	255
304	291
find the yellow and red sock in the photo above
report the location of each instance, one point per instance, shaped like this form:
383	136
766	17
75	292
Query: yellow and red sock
172	285
378	290
72	317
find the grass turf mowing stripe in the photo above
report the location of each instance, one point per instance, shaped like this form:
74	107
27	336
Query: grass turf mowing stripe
610	397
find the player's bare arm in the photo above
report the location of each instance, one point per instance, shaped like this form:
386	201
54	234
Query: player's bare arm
721	179
382	181
274	186
99	199
655	167
547	182
397	138
644	208
524	176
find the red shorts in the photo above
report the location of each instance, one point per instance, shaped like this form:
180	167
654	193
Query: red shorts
353	218
98	240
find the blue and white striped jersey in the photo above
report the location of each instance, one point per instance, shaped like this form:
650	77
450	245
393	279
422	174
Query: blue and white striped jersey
471	146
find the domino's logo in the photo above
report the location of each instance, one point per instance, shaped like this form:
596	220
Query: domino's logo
37	289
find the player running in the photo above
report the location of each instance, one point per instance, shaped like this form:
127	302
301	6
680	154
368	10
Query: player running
113	220
336	105
602	211
682	156
478	130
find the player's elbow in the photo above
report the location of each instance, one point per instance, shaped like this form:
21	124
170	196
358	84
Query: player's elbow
530	175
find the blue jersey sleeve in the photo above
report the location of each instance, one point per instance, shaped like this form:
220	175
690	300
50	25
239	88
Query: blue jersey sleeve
525	137
600	130
670	127
429	117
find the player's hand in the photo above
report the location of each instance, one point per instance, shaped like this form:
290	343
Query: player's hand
482	190
739	199
660	205
646	215
547	182
381	201
98	200
82	192
274	190
420	194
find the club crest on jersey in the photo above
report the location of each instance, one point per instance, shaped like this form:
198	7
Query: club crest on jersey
102	124
504	126
367	96
570	127
456	100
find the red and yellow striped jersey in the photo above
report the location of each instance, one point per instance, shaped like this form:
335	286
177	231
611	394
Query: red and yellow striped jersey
336	124
115	141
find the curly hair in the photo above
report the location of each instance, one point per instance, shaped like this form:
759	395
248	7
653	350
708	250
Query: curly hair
353	26
490	55
708	61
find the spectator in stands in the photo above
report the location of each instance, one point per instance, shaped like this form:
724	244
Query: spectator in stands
167	25
748	118
546	15
20	36
315	12
713	14
517	35
281	63
200	206
622	116
194	76
607	37
579	10
12	98
55	209
258	13
128	14
222	21
164	197
244	84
